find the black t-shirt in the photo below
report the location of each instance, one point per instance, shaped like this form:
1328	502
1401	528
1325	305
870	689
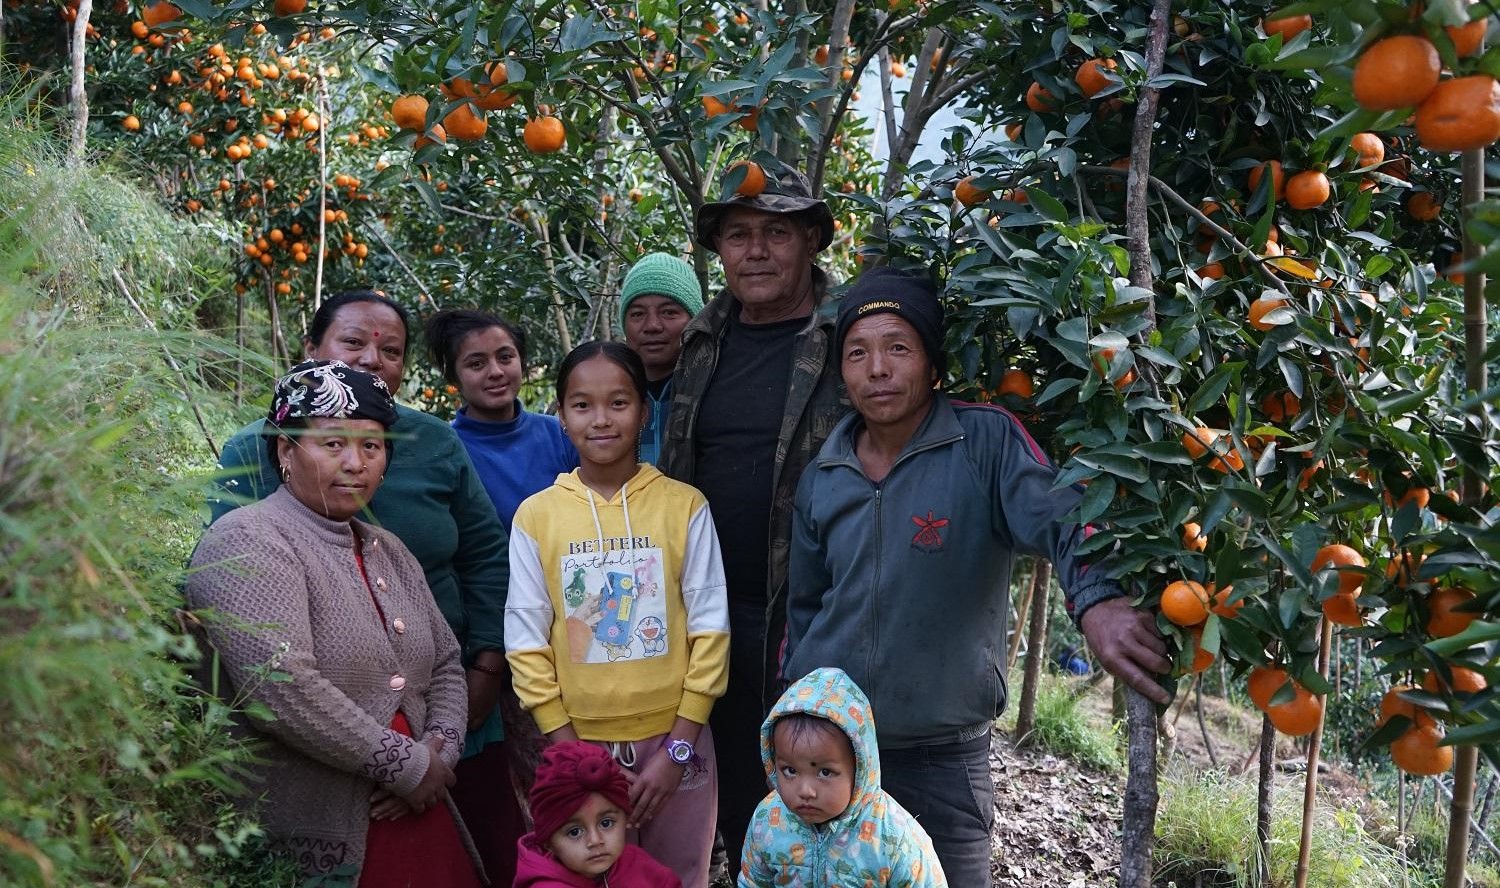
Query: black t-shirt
738	423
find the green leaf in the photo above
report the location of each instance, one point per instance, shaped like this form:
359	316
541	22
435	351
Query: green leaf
1123	466
1096	498
1047	205
1212	388
1478	632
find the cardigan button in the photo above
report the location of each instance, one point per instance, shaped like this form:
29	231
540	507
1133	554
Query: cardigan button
399	625
397	682
380	582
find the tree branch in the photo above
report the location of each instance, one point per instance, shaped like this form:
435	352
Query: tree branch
182	380
1166	191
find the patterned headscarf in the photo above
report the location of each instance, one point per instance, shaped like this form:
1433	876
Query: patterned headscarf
330	389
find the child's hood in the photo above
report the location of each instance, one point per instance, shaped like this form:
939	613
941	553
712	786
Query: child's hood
640	484
830	693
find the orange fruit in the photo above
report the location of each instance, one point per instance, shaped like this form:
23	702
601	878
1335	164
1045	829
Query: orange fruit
968	194
1403	568
160	13
1468	38
131	123
898	69
1221	605
1039	99
1278	178
139	30
1414	494
713	107
1281	406
464	125
1417	752
1340	609
1369	148
755	178
1299	716
290	7
1263	683
1091	78
1287	26
1460	114
750	121
1465	681
1193	537
1305	478
1344	559
1102	362
1308	189
409	112
1197	442
1202	659
1397	72
1016	382
820	56
1443	617
1262	307
1391	705
1013	131
1212	271
544	135
435	136
1185	602
1423	207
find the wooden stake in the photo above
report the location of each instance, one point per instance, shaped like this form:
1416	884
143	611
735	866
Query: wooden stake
1475	334
1264	787
1310	789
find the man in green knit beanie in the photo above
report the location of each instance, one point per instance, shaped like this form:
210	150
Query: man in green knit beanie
661	294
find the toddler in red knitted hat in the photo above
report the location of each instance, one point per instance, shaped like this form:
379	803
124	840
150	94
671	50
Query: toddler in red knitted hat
579	804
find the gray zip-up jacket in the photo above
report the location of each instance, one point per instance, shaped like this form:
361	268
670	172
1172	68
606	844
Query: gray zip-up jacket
905	584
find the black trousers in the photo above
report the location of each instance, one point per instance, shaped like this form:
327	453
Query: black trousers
736	721
949	790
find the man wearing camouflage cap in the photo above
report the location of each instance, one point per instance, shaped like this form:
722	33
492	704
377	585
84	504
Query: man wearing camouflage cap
757	391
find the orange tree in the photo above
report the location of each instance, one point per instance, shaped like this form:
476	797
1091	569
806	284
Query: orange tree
652	104
1293	379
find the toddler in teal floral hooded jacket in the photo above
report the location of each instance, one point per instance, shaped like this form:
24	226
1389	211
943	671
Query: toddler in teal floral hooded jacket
827	823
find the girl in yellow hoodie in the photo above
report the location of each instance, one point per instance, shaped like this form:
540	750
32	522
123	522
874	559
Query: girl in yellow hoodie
617	625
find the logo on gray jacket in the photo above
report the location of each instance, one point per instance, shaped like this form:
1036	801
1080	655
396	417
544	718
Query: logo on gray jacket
929	536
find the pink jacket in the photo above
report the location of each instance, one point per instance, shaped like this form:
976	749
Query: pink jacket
535	868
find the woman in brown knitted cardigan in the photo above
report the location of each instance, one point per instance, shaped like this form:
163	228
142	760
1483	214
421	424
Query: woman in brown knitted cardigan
328	624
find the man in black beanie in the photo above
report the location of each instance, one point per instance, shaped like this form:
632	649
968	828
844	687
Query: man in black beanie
905	529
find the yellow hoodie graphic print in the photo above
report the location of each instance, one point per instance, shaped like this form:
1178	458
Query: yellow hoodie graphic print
617	620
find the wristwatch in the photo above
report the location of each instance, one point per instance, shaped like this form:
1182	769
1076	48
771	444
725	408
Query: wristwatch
680	751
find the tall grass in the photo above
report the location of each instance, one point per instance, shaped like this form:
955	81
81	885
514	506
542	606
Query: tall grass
1062	727
1205	834
113	770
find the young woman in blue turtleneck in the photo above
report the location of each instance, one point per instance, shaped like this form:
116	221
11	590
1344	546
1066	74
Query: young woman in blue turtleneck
516	453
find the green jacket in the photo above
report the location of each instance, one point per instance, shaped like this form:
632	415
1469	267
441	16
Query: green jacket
431	499
815	401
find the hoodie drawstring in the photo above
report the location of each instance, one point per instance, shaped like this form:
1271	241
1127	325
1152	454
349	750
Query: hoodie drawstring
622	752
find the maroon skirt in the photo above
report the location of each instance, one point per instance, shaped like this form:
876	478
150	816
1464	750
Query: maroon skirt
419	850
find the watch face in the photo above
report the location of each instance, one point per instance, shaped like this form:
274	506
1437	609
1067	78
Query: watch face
680	751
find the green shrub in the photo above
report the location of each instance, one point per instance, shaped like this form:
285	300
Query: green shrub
114	770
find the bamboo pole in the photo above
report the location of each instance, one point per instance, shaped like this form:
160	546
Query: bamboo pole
1310	788
1023	610
322	100
1475	335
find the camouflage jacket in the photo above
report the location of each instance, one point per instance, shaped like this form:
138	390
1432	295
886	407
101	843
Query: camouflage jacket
815	401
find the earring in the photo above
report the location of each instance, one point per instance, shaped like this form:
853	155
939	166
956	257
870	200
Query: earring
286	475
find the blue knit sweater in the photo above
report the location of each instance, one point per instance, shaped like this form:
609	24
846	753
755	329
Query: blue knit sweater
518	458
